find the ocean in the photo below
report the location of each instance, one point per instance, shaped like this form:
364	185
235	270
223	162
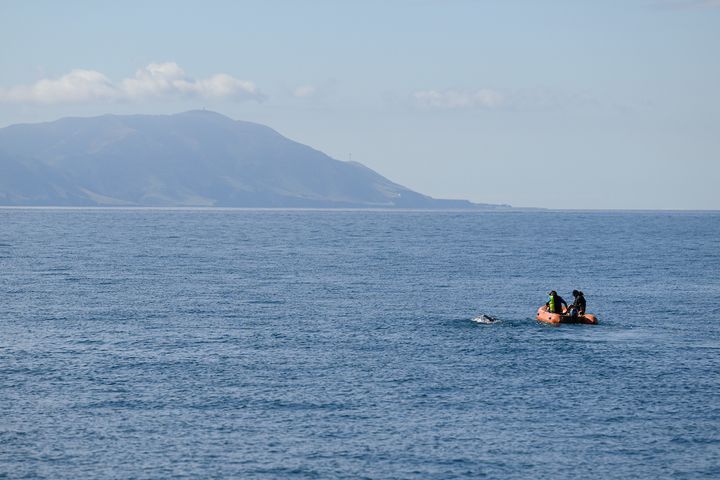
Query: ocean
262	344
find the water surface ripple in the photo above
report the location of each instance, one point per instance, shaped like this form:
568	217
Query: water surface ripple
340	344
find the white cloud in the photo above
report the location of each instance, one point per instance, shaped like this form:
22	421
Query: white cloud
78	86
304	91
223	85
157	80
458	99
164	79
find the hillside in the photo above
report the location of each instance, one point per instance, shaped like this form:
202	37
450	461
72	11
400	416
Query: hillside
196	158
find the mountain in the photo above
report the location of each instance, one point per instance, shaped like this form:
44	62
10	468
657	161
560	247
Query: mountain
196	158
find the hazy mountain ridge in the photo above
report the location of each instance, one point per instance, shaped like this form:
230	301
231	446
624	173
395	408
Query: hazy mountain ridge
196	158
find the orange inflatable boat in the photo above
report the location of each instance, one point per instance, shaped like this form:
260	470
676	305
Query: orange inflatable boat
544	316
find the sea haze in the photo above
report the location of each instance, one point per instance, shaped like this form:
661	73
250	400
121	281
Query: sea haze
340	344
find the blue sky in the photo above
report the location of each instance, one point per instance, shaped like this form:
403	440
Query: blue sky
561	104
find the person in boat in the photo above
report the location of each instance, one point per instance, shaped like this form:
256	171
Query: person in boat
555	302
578	302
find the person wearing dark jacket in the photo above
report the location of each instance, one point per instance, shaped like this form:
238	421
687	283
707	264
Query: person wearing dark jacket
579	302
555	302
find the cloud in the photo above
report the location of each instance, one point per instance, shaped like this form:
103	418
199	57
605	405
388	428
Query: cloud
458	99
168	79
155	81
78	86
316	93
304	91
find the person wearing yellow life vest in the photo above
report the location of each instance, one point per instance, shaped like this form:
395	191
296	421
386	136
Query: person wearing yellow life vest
555	303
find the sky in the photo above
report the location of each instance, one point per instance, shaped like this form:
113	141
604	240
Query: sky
576	104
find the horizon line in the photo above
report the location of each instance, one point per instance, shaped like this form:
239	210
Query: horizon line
509	209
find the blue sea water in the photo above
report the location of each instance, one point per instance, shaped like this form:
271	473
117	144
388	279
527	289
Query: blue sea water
340	344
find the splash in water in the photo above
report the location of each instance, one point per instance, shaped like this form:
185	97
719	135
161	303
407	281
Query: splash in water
485	319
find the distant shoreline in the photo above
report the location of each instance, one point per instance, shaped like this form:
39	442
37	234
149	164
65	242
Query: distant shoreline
329	209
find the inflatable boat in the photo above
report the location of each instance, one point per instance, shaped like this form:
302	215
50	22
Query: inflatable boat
544	316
